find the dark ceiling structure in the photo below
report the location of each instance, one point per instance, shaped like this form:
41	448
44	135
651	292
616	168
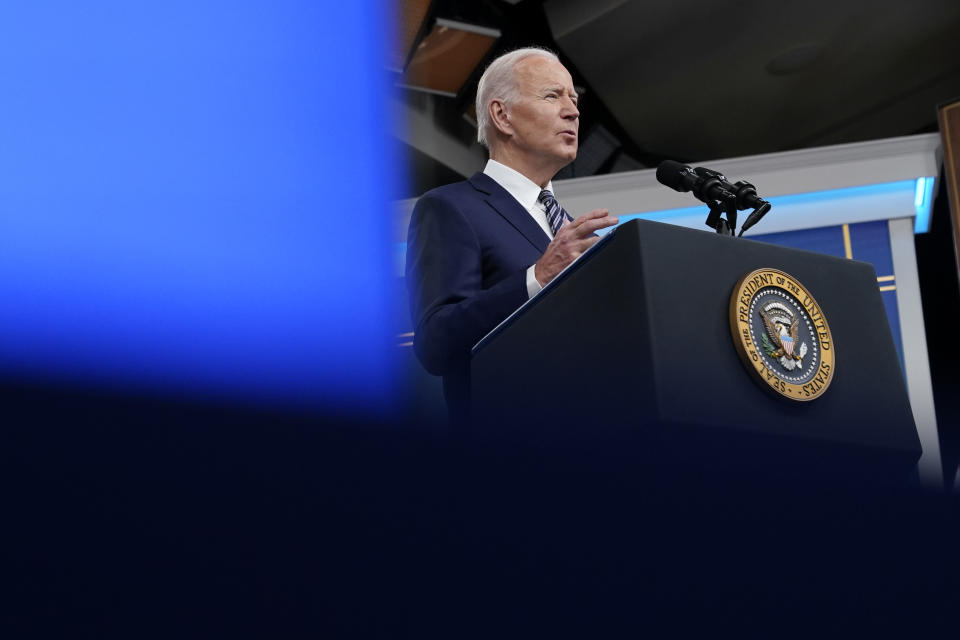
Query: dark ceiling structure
708	79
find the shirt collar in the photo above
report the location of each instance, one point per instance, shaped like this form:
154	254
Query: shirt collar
522	188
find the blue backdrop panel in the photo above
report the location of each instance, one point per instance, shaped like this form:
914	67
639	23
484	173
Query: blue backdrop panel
869	241
192	198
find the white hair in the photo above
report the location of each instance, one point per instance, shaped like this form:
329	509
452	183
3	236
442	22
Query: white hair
499	81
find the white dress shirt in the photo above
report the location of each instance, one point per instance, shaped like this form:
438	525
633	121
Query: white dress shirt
526	192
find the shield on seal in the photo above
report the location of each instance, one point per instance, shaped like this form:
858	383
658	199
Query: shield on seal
786	342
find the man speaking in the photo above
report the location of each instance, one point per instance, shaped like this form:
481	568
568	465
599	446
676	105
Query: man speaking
478	249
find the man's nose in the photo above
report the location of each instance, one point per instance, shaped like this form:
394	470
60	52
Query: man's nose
571	111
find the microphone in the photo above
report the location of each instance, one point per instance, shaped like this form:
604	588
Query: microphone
745	192
754	217
707	188
746	195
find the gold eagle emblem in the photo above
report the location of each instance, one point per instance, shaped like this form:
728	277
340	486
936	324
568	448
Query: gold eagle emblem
783	331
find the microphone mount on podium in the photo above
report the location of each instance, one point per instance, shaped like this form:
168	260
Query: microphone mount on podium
722	197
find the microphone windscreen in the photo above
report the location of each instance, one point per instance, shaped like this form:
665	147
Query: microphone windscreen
668	174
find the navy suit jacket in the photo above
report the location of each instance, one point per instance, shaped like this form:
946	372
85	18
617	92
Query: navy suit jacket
468	249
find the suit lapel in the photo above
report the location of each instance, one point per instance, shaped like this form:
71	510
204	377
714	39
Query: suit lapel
511	210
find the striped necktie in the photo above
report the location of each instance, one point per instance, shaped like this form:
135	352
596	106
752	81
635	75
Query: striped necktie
555	213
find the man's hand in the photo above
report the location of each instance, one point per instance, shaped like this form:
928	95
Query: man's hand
572	239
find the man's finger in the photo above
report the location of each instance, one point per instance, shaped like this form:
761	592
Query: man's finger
596	213
587	227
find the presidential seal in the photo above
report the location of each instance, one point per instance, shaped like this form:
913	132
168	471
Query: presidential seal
781	335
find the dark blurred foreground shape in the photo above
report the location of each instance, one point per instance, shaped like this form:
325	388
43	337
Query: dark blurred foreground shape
146	516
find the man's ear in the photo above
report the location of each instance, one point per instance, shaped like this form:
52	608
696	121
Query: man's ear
499	117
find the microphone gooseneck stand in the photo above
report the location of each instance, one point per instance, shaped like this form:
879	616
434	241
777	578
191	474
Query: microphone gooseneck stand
729	202
716	221
723	199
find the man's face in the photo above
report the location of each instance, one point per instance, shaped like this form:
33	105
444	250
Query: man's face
545	118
